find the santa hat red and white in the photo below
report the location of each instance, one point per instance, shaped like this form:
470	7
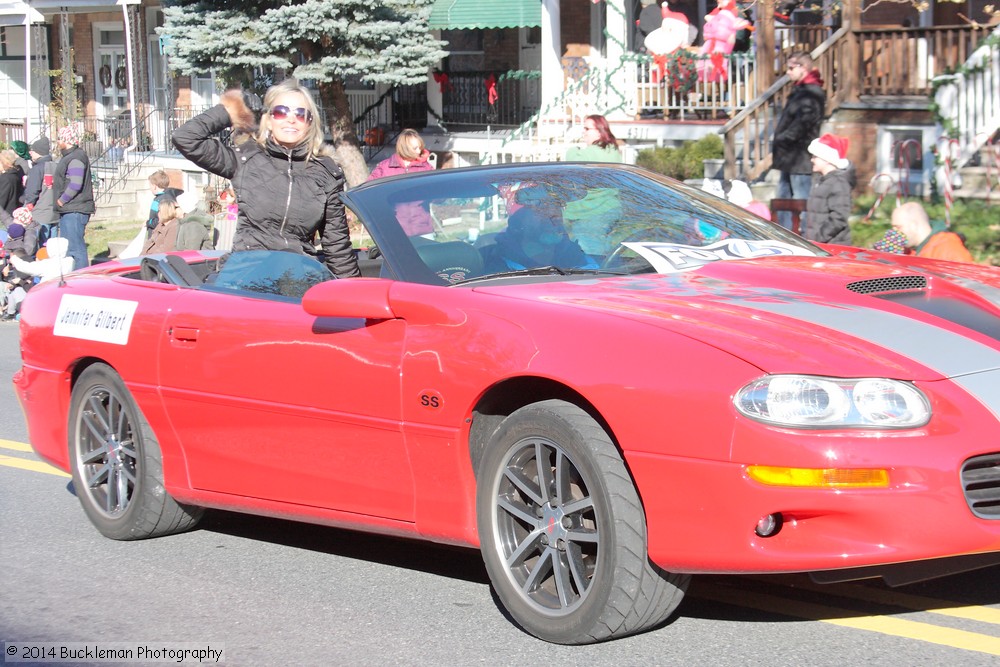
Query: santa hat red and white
831	148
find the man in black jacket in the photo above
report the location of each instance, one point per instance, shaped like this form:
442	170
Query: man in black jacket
798	125
38	196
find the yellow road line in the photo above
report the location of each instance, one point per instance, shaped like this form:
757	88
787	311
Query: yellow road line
905	600
16	446
34	466
886	625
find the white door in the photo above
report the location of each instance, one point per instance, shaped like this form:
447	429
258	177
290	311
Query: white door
530	41
111	87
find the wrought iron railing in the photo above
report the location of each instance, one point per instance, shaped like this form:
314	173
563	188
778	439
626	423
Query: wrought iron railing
466	100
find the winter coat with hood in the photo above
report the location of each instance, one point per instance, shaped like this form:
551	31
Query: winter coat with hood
285	197
11	188
34	186
829	207
57	264
799	124
194	232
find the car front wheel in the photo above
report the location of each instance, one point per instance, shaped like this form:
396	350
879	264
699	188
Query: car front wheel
563	533
116	462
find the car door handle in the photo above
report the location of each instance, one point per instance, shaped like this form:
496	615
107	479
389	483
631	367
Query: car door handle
184	334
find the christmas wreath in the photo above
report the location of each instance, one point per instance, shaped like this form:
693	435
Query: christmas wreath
105	75
121	77
682	73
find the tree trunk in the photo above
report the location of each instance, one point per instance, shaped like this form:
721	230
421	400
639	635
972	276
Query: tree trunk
341	126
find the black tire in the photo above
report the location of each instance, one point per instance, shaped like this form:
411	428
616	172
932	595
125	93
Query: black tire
116	462
567	558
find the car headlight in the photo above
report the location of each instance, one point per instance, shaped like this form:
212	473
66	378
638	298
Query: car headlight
805	401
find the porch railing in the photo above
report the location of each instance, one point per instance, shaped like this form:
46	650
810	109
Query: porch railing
904	61
682	84
969	102
11	131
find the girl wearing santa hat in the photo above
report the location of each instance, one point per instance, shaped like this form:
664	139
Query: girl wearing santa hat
829	203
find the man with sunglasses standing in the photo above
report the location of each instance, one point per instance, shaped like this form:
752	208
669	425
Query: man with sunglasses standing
287	184
798	125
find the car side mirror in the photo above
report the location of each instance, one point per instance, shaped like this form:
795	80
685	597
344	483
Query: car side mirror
366	298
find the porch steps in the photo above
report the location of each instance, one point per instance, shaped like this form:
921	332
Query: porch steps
130	200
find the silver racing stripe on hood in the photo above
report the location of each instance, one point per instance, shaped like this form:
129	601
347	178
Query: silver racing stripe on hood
984	386
948	353
971	365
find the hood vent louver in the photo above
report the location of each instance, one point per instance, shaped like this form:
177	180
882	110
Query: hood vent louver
888	284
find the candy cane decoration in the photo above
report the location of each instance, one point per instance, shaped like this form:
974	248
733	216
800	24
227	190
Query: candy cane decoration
903	160
948	153
881	193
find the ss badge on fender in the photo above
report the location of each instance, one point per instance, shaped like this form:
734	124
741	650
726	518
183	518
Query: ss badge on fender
431	399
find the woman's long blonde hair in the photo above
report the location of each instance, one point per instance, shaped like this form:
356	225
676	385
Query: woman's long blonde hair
314	135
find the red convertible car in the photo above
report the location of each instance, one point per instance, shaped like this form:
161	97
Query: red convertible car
603	379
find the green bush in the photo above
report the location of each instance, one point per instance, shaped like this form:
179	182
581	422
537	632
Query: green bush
684	161
978	221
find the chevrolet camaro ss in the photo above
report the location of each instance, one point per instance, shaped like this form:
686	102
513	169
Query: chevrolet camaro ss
603	379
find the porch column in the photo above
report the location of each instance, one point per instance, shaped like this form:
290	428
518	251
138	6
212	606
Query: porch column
765	52
552	84
27	75
130	65
619	85
852	18
435	98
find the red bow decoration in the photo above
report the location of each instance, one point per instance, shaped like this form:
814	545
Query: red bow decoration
441	78
719	63
659	69
491	89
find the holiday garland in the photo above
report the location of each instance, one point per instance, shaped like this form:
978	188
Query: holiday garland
951	75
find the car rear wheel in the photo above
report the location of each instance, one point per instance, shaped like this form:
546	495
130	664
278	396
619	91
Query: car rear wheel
563	533
116	462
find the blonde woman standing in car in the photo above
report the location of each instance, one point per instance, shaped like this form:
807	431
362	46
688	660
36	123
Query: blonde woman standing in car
287	184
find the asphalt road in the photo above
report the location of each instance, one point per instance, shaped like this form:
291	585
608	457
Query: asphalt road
273	592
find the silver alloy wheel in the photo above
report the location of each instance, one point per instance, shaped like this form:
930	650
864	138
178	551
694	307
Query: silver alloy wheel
116	462
546	526
107	451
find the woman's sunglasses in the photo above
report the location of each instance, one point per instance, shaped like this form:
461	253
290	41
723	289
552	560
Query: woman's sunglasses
280	112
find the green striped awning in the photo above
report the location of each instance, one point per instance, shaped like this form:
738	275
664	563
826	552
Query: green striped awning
469	14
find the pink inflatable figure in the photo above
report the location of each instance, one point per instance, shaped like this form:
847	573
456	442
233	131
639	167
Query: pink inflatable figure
721	26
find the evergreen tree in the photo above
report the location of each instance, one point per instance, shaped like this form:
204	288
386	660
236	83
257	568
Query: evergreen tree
327	41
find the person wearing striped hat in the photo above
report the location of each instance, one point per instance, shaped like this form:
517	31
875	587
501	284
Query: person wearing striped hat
74	193
829	203
22	234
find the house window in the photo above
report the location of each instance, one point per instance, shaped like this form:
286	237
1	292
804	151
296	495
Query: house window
905	157
465	51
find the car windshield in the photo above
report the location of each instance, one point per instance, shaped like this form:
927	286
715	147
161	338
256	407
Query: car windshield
469	225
